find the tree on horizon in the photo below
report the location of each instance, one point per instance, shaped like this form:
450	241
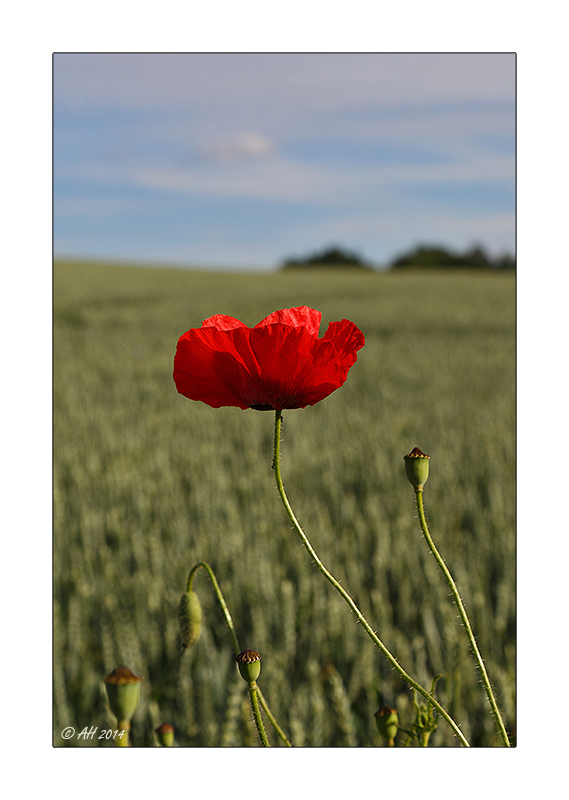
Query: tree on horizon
425	256
330	256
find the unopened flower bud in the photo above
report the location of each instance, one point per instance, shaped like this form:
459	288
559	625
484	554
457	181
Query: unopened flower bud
165	734
249	665
190	618
387	723
417	467
123	692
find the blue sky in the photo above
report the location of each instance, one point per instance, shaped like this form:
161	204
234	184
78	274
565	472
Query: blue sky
239	160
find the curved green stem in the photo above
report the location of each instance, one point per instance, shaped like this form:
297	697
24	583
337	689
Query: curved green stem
274	723
220	597
465	621
236	648
340	589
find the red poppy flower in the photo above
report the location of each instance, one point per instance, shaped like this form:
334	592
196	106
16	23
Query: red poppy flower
280	363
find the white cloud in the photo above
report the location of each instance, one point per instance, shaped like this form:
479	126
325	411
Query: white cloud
374	150
279	178
238	148
217	131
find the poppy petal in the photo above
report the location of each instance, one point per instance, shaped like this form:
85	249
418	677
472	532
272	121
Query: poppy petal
280	363
295	365
221	322
301	317
201	366
347	339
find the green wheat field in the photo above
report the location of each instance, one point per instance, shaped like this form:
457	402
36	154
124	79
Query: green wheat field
148	483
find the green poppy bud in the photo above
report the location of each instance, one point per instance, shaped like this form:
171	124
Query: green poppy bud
417	468
123	692
165	734
249	665
387	723
190	618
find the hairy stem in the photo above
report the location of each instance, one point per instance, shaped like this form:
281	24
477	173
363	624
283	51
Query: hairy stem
273	721
236	648
257	713
463	615
344	594
221	600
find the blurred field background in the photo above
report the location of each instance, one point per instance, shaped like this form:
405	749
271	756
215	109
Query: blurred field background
147	483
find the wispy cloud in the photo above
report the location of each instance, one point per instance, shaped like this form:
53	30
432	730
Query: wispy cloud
238	148
365	145
232	172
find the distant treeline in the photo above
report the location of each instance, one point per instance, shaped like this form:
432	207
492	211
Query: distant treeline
476	257
422	257
328	257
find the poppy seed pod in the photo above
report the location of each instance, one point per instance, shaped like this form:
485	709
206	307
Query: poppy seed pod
417	468
165	734
123	692
249	663
387	723
190	619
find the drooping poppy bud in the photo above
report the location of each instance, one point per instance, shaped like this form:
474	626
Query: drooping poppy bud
165	734
249	663
123	692
387	723
417	467
190	619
